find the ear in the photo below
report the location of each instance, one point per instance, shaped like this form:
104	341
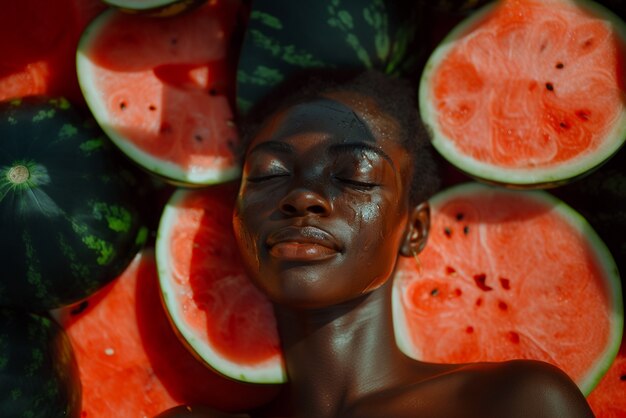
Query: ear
417	229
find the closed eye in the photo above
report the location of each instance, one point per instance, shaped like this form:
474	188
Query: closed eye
356	184
266	177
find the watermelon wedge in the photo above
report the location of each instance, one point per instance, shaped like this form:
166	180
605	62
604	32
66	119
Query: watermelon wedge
528	93
510	274
219	313
160	89
132	364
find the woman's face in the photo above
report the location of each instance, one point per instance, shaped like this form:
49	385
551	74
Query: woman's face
323	205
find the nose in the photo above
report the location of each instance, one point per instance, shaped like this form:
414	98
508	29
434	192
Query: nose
301	202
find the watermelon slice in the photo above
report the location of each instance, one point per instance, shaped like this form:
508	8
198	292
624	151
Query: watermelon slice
224	319
528	93
509	275
131	362
160	89
607	400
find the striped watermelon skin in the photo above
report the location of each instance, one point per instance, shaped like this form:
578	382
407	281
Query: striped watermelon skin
284	37
38	371
66	206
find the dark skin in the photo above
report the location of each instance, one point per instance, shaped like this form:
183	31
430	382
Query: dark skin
322	215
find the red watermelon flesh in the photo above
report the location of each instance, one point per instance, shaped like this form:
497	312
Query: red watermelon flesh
530	93
608	399
162	89
39	39
511	275
225	319
131	362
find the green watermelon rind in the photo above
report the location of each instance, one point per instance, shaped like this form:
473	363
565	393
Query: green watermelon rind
164	169
515	177
596	244
270	372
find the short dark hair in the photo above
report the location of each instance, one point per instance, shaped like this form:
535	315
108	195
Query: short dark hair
395	97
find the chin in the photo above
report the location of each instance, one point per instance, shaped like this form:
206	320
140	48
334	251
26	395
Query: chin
298	288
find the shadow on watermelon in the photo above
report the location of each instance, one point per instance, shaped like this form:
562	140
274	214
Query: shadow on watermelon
162	89
222	317
132	363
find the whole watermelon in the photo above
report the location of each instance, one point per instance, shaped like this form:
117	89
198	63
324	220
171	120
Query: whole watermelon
68	220
38	371
284	37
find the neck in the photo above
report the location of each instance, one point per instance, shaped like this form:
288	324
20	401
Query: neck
341	353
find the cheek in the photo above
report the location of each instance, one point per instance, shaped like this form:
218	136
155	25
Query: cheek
378	232
246	240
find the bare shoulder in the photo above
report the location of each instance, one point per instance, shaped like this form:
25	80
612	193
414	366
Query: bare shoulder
513	389
538	389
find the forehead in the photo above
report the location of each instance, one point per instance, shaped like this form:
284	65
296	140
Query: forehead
339	116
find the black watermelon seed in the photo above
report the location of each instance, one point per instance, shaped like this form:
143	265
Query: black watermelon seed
80	308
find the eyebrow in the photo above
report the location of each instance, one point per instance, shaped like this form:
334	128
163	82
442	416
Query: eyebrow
285	148
362	146
276	146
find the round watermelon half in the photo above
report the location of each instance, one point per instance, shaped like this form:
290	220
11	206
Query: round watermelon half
223	318
160	89
131	362
155	8
69	220
528	93
510	274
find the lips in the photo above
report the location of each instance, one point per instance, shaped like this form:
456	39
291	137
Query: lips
305	243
